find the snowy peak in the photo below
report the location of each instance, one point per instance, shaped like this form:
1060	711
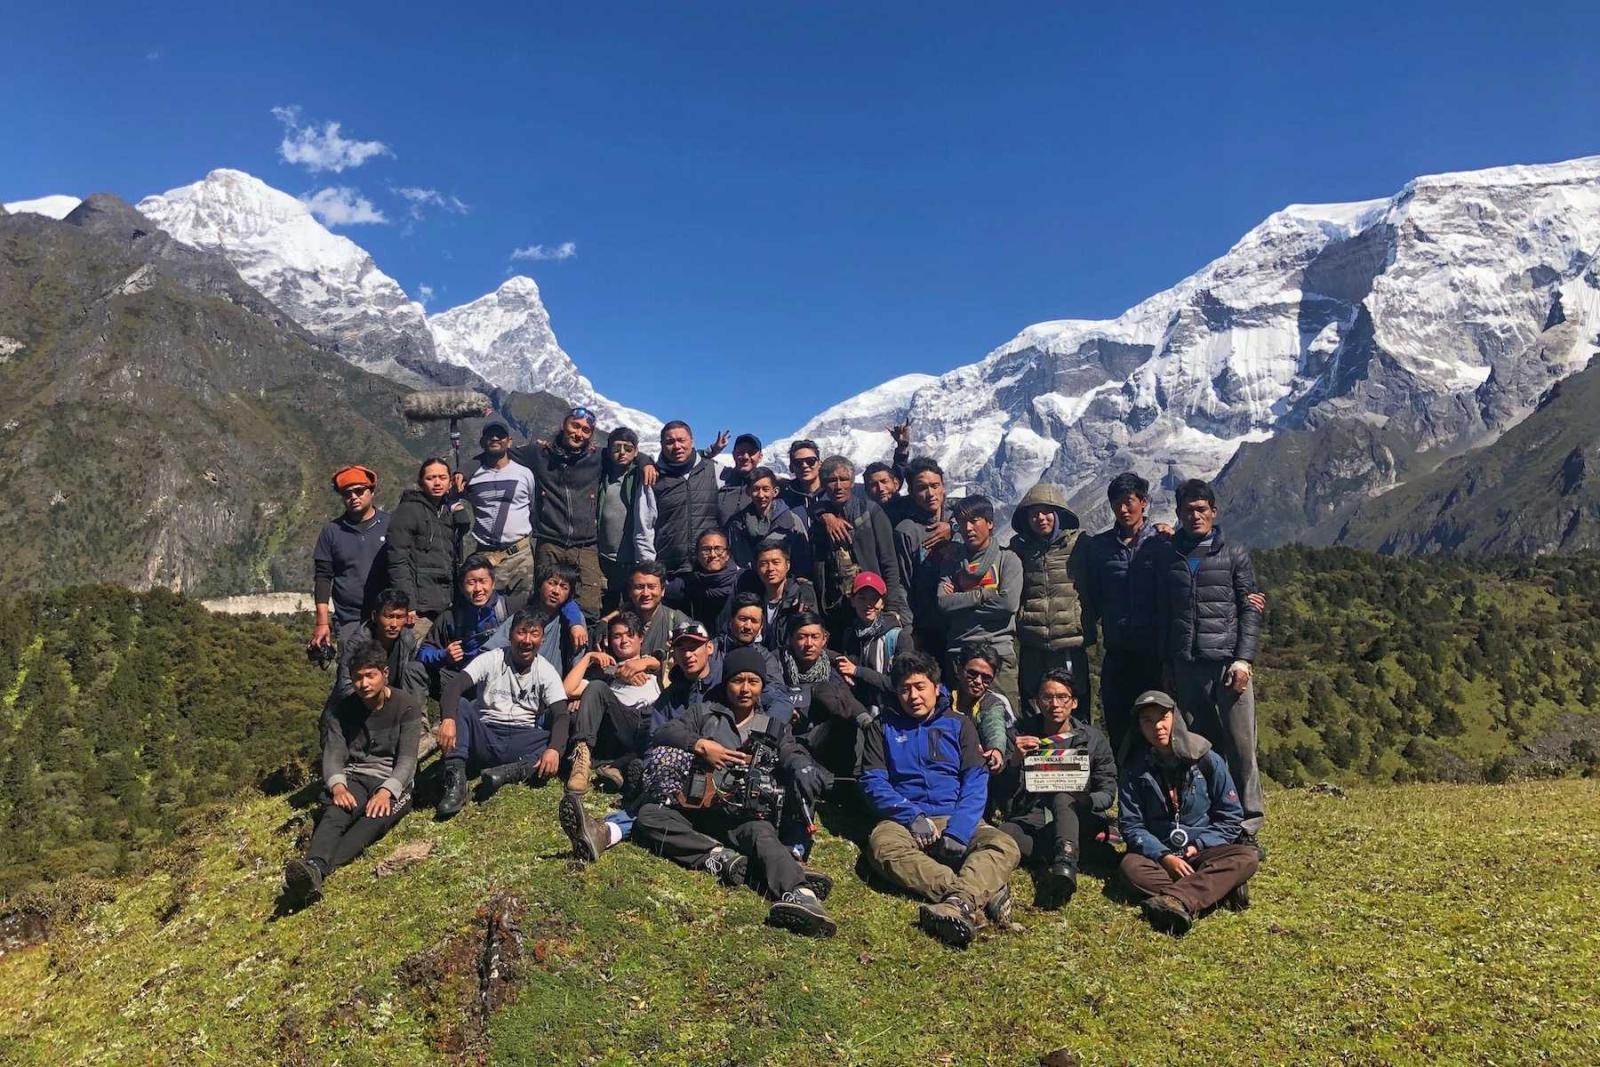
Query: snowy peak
505	336
1432	312
53	207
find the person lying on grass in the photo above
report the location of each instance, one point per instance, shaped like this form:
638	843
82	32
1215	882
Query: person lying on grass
1181	820
926	780
369	758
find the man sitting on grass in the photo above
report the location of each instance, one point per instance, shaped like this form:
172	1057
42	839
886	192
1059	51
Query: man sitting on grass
1181	819
926	780
369	757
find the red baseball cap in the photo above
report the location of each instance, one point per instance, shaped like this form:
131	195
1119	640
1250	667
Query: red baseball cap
868	580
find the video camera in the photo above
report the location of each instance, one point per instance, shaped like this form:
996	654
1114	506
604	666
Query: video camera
324	656
752	790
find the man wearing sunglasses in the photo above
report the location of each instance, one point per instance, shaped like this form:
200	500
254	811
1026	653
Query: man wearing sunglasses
567	477
342	561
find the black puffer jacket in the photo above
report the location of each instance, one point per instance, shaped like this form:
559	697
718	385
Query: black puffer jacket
1051	613
1204	615
1119	589
566	488
686	507
424	549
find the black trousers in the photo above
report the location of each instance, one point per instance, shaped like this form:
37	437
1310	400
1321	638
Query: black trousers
1053	828
608	726
1124	674
343	835
687	841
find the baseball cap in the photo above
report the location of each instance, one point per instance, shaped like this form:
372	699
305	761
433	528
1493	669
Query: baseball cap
494	429
352	475
690	631
868	580
1154	698
748	441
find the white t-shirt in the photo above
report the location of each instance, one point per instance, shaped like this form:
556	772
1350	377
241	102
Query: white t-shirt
644	694
507	698
502	501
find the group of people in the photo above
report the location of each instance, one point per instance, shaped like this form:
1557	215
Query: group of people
727	649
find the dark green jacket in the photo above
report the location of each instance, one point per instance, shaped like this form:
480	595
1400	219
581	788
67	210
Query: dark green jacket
1051	613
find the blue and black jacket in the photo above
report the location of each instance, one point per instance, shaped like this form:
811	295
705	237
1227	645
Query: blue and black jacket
1208	804
932	766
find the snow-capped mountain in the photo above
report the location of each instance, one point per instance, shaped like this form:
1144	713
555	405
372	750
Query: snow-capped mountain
325	282
54	207
1432	312
505	337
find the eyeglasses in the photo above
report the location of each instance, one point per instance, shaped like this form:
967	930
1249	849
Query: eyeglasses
1058	701
978	676
713	550
355	490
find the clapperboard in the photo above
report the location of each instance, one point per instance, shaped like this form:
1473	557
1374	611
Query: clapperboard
1061	770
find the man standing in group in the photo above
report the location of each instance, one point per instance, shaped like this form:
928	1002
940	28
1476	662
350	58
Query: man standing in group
567	476
805	469
923	545
867	546
686	498
1211	630
734	493
342	571
627	524
501	492
1050	614
979	594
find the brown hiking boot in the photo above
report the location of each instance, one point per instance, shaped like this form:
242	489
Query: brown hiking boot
610	775
952	921
578	776
589	836
1168	914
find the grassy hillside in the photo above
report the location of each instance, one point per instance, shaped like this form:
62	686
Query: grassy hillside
1414	924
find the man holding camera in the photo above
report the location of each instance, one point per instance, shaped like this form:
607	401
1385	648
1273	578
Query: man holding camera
1181	820
924	776
709	827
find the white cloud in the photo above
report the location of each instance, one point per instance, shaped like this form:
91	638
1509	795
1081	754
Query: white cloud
153	56
564	250
340	205
418	200
322	148
424	295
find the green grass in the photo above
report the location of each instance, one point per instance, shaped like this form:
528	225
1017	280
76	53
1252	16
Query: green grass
1409	924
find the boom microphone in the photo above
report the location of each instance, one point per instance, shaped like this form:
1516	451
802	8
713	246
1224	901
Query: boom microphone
438	405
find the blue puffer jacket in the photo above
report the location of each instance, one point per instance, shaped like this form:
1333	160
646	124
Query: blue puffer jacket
1118	589
1208	805
931	766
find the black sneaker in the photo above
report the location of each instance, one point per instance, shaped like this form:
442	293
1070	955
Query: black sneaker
455	789
802	913
998	907
589	836
724	864
952	921
1238	898
302	882
1168	914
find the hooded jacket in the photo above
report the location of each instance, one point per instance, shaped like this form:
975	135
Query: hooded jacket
931	766
424	549
745	531
1203	611
686	507
1208	803
872	649
1050	613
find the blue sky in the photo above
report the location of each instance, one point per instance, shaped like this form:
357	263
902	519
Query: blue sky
775	206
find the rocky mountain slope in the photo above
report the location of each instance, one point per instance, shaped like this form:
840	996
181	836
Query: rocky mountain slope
163	422
1436	318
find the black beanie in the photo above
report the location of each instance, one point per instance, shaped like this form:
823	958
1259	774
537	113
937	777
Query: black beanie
746	658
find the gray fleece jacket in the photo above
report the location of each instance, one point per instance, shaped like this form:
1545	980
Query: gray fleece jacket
978	596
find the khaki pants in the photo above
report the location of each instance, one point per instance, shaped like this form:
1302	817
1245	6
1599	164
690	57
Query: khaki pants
513	567
591	583
893	853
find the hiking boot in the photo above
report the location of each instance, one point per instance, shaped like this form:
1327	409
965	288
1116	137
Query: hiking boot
609	775
455	788
302	882
1168	914
578	776
802	913
589	836
997	909
1238	898
1063	876
495	778
735	871
952	921
1248	838
817	882
724	864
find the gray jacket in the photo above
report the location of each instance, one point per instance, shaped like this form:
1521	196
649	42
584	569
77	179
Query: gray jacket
979	596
